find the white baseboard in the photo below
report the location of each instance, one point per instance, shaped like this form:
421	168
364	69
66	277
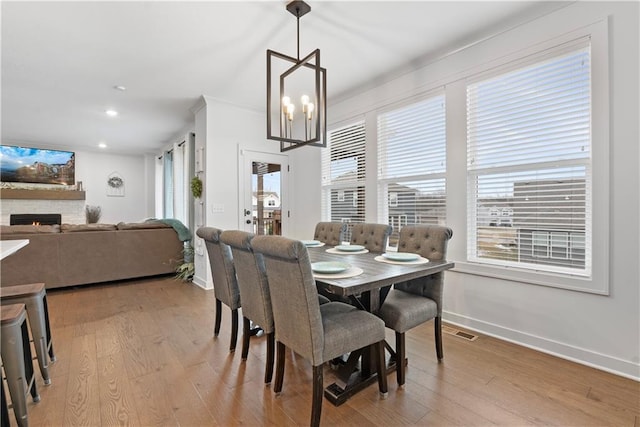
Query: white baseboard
583	356
198	281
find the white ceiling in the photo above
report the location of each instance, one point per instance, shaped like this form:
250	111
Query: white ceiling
61	60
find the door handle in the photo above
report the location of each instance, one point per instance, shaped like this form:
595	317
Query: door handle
248	221
247	212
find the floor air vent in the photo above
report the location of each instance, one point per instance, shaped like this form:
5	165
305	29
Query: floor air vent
458	333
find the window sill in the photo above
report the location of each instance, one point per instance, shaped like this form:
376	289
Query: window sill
539	278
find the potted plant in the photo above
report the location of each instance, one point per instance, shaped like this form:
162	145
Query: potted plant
186	270
93	214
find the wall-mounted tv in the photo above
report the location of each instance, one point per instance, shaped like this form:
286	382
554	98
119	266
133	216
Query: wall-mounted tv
36	165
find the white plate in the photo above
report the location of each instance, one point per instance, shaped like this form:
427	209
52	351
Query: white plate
349	248
311	242
328	267
401	256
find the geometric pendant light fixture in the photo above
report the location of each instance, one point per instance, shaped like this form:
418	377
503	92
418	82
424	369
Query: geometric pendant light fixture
296	94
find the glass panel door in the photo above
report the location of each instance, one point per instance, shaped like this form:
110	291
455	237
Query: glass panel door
266	206
263	207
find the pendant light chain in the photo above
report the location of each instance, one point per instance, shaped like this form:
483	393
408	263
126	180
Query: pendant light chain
309	126
298	30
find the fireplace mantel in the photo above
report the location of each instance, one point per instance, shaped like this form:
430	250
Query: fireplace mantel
27	194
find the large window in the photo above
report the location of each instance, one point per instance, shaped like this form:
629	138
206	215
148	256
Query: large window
174	170
343	175
168	184
529	164
412	165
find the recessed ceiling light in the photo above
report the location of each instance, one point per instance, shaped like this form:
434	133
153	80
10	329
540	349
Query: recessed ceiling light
102	145
120	88
111	113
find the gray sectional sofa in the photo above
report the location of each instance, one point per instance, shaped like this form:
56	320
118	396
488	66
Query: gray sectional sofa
71	255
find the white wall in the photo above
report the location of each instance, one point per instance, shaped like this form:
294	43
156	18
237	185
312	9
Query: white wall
222	129
93	169
304	184
603	331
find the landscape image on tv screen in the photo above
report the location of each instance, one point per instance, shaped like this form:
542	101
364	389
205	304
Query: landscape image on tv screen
35	165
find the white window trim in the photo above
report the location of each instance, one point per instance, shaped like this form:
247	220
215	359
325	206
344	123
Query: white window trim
598	283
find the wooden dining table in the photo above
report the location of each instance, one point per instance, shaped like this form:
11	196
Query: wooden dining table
364	290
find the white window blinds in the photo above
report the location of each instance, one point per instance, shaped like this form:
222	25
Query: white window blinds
529	165
343	175
412	165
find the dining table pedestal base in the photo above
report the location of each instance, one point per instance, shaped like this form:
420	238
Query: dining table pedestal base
366	291
338	395
352	379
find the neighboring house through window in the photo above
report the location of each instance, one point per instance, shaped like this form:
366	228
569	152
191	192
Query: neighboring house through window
343	175
412	164
529	164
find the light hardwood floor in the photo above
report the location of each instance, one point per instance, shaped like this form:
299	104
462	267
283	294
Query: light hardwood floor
142	353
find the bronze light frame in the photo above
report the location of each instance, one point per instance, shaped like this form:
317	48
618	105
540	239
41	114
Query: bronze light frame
318	138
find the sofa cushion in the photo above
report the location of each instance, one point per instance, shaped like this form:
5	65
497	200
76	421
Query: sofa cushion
141	225
29	229
70	228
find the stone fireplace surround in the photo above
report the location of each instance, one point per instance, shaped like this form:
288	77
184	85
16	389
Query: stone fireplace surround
70	204
72	211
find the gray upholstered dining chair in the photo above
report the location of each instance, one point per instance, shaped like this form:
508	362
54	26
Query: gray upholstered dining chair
316	332
225	285
254	293
331	233
417	301
374	237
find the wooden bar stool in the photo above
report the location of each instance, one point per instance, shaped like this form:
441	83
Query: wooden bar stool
34	297
16	358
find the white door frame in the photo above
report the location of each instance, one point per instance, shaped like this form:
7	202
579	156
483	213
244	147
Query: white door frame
245	158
